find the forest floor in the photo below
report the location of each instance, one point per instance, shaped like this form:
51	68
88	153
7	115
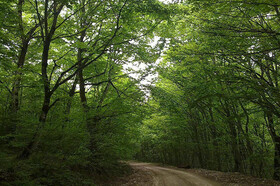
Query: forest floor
147	174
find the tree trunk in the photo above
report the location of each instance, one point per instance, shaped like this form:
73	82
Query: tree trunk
81	76
45	108
234	145
198	145
46	82
79	59
233	134
215	136
276	174
276	140
16	86
14	106
69	101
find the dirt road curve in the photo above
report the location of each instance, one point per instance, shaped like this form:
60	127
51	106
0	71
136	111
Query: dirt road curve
168	176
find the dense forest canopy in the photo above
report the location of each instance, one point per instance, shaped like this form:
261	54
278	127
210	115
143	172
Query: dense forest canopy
71	109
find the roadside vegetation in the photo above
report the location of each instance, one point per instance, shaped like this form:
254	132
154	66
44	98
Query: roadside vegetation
71	110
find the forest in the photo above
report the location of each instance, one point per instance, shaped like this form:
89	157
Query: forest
86	85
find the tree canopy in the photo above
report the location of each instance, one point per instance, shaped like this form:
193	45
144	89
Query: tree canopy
70	110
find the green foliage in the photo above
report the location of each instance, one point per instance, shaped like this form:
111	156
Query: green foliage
60	153
217	93
68	112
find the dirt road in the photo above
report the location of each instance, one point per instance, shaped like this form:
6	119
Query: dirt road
169	176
